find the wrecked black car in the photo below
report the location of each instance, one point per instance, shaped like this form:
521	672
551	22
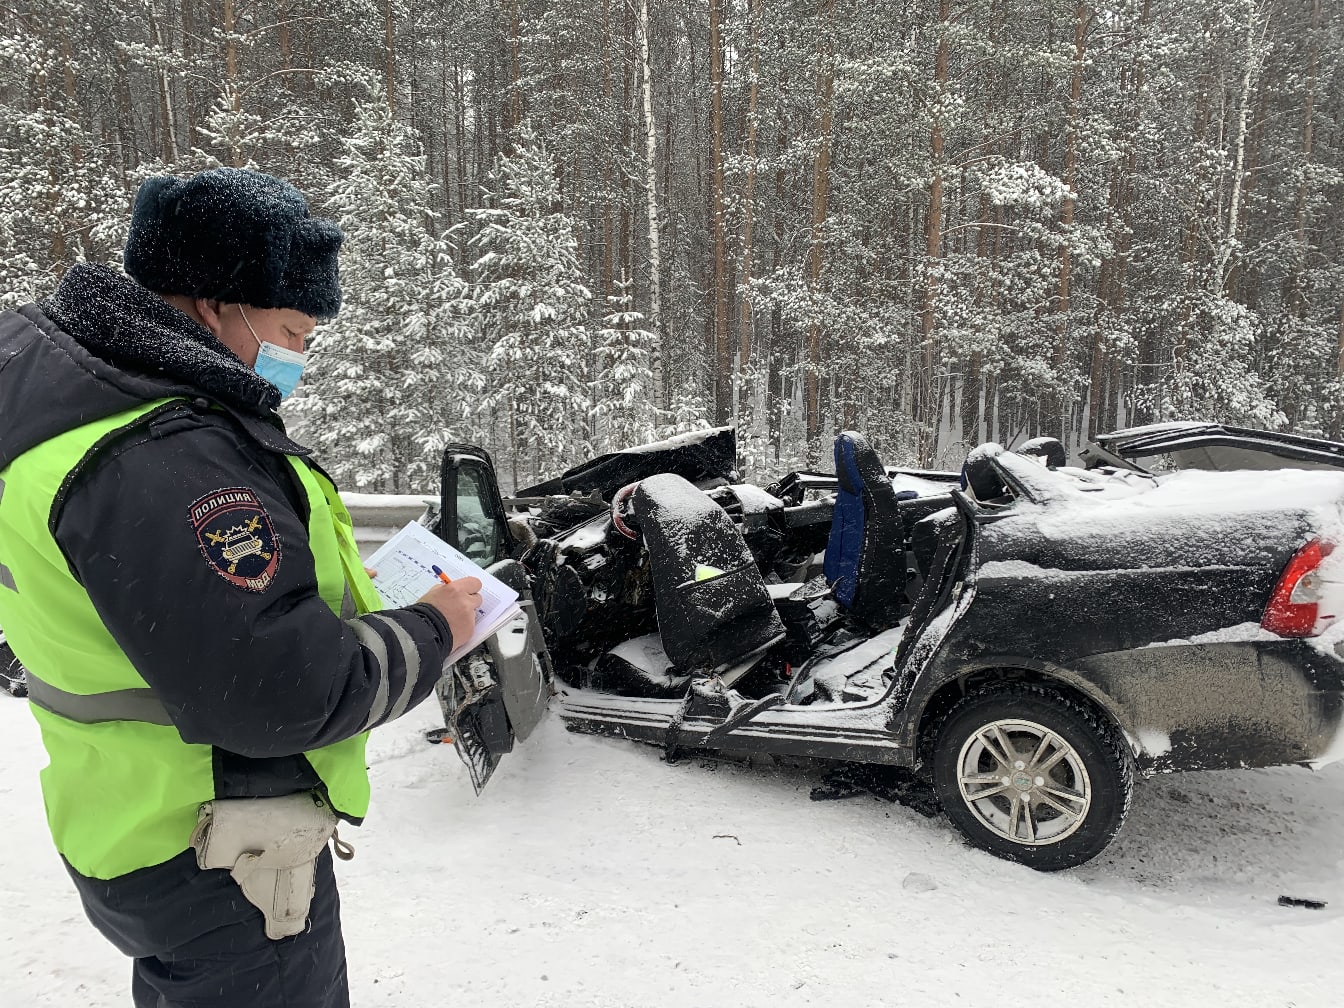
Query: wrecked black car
1027	634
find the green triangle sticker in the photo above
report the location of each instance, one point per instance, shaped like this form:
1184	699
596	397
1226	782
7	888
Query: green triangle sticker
703	572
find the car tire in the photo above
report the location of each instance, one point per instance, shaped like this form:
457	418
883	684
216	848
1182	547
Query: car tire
13	678
1057	800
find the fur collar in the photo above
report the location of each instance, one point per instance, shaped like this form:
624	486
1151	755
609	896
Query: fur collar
116	319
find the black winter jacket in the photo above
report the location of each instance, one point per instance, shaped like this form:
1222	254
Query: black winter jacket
262	676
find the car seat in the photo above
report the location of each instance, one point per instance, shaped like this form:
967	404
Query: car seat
865	561
980	477
713	607
1050	451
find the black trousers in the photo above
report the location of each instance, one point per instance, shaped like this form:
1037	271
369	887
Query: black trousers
197	943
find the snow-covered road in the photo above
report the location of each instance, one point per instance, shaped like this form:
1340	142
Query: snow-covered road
592	874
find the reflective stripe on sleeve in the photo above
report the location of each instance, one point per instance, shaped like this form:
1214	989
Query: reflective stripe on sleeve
369	638
410	657
96	708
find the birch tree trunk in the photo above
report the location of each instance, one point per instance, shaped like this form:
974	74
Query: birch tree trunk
390	55
1308	124
651	200
1227	246
515	97
165	87
721	341
746	322
1054	423
821	182
925	406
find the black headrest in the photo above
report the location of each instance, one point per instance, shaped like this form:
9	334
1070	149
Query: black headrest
858	467
981	477
1048	448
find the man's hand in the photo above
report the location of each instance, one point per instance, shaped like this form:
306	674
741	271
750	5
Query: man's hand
458	603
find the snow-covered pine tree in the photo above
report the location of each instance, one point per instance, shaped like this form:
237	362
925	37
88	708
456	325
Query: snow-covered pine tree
531	305
391	379
58	199
1195	151
687	411
253	121
1213	377
624	410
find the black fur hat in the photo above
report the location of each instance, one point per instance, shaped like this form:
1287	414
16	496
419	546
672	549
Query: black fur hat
234	235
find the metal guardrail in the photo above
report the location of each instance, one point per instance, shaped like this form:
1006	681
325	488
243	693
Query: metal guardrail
377	516
382	515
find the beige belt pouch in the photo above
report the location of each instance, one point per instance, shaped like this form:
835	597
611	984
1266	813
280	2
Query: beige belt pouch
270	846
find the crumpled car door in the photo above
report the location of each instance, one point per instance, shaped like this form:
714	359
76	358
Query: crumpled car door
498	693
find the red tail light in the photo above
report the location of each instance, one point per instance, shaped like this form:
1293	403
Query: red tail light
1294	605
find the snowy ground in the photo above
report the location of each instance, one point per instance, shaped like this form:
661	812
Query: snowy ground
592	874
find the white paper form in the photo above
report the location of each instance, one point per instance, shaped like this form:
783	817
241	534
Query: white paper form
405	572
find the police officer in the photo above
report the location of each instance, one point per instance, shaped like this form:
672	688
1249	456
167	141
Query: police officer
181	581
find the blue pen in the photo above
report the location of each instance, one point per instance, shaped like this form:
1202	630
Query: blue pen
440	574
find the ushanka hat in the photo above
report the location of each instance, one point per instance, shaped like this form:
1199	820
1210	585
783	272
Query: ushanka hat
234	235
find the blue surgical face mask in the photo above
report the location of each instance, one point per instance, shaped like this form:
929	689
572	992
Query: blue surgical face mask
280	366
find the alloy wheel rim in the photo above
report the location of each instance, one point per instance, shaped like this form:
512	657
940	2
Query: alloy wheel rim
1024	782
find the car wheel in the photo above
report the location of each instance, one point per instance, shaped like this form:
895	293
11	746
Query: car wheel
1032	776
13	679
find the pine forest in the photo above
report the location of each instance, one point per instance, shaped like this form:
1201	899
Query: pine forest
575	226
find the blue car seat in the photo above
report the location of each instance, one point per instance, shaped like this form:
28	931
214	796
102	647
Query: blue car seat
865	562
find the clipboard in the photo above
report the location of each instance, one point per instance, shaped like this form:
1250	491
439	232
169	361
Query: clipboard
405	572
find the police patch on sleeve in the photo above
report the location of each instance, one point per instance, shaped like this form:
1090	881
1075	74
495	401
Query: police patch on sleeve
236	537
